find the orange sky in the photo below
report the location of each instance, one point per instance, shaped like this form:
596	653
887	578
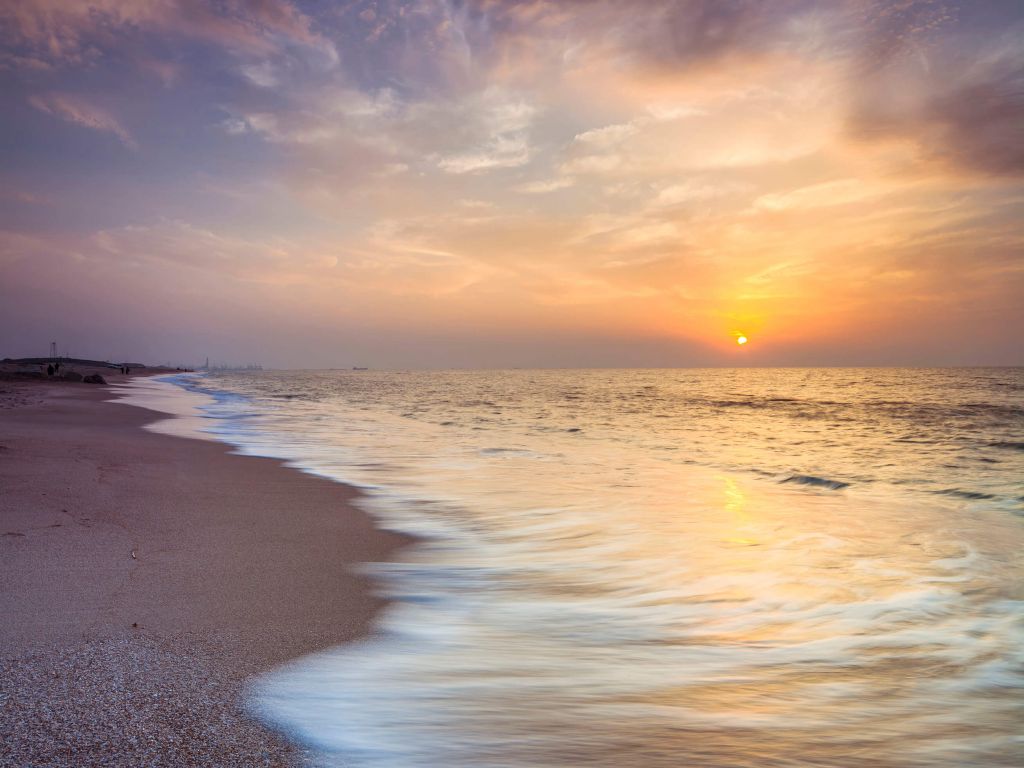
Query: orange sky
514	183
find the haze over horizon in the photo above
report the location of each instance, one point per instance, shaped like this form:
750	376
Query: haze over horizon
491	183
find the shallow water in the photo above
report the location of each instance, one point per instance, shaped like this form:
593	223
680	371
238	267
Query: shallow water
662	568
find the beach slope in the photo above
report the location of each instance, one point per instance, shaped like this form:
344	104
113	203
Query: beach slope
145	578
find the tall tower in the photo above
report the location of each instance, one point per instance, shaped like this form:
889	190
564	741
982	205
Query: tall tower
53	350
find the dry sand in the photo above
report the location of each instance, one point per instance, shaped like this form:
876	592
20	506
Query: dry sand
145	578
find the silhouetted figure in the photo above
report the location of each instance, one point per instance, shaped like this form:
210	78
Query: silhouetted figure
49	370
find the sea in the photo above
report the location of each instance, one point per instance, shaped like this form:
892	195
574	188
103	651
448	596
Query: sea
728	568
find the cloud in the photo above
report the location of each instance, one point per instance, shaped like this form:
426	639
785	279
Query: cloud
976	121
956	92
696	190
669	34
63	33
679	34
824	194
76	110
545	186
179	247
500	124
499	152
783	116
610	135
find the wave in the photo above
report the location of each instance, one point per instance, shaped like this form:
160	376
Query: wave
534	580
973	495
820	482
1010	445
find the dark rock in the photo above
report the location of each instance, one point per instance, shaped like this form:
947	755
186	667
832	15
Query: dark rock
73	376
94	378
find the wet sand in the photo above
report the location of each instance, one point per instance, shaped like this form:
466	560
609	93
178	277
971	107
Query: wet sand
146	578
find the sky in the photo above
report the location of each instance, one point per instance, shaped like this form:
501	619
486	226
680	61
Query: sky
498	183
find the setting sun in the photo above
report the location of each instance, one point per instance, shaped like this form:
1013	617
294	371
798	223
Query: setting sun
741	340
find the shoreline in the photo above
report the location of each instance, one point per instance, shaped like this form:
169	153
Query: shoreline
149	578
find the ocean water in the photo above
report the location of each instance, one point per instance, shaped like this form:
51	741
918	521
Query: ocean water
784	567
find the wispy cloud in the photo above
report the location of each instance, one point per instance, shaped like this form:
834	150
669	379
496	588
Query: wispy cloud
58	33
827	193
75	109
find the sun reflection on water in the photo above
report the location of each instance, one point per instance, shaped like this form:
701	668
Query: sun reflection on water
735	503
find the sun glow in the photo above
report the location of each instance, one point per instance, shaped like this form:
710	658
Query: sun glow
741	340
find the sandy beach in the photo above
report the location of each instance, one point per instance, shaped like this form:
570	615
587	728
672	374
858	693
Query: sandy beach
147	578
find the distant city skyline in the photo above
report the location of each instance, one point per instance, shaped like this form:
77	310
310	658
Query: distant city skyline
498	183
